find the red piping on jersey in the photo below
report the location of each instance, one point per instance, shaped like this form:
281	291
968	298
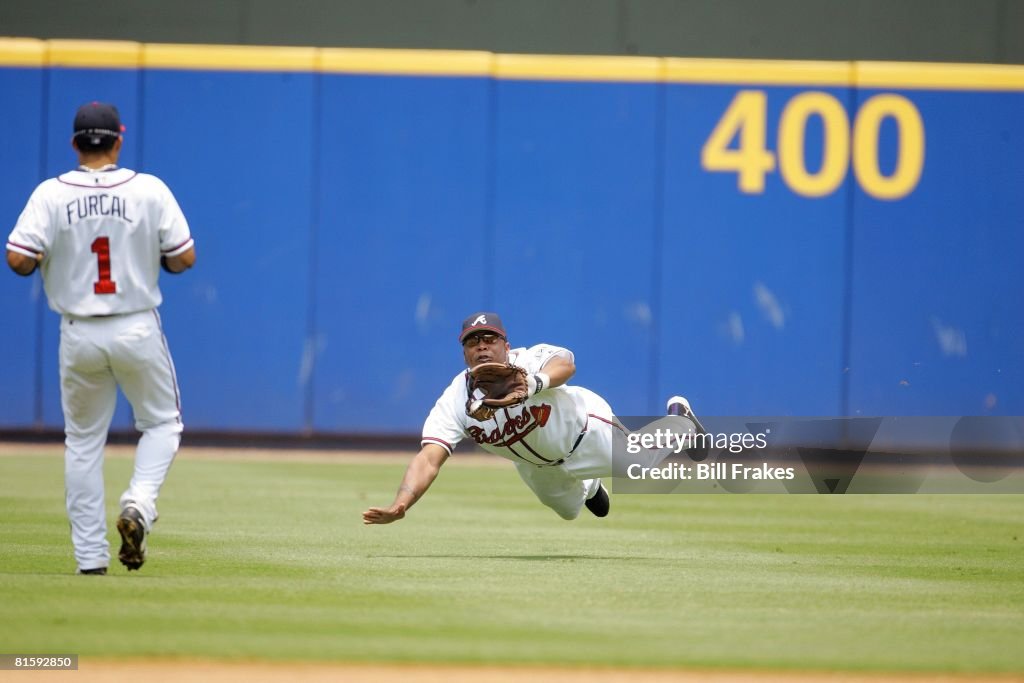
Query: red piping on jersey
611	422
513	452
167	251
440	442
22	246
170	364
98	187
533	452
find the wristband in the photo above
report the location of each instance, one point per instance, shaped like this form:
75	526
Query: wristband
541	382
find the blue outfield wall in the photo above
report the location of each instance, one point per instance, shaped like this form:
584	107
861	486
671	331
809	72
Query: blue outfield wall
401	244
574	242
21	307
753	282
798	244
237	150
938	318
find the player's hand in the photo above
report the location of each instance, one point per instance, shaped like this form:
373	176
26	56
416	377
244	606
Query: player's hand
384	515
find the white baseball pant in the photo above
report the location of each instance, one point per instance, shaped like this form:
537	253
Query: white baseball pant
565	488
97	355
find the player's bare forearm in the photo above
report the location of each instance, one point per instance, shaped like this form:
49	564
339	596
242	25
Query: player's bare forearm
21	264
419	475
559	370
180	263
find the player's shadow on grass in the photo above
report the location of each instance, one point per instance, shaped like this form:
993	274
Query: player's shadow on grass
524	558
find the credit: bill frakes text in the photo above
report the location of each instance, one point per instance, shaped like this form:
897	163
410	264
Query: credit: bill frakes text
711	471
661	439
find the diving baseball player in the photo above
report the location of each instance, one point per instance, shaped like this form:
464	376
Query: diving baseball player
99	236
559	436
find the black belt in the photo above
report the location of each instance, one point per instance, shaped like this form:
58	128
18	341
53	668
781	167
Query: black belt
72	316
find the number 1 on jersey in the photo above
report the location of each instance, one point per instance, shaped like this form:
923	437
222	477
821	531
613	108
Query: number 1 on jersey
101	247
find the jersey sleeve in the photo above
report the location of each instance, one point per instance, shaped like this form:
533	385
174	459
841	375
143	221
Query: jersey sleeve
175	237
536	357
444	425
32	233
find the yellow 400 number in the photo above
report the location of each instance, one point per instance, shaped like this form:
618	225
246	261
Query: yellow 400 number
747	117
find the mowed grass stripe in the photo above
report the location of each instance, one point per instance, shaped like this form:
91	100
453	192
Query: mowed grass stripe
269	560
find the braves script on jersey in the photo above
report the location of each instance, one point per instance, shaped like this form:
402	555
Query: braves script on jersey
116	222
541	431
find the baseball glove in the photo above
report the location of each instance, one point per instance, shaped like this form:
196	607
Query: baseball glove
502	385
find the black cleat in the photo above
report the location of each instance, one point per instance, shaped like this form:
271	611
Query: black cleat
133	538
599	504
98	571
677	405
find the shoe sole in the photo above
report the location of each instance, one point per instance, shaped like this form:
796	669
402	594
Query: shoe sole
132	554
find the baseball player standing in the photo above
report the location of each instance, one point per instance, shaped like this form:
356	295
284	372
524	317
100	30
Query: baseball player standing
99	235
559	437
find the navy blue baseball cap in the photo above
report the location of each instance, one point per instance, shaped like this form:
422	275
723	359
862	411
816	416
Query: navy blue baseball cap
485	321
98	120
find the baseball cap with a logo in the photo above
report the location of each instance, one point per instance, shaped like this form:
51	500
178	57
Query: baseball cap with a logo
485	322
97	120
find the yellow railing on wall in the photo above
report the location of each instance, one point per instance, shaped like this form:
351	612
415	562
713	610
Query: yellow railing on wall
31	52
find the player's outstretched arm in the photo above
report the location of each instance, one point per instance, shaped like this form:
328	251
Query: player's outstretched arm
418	477
559	370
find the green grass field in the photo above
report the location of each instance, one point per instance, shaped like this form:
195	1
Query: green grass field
269	560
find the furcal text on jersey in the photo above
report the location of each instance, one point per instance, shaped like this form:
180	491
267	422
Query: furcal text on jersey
108	205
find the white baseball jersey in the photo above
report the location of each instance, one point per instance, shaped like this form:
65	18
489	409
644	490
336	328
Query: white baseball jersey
542	431
101	234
